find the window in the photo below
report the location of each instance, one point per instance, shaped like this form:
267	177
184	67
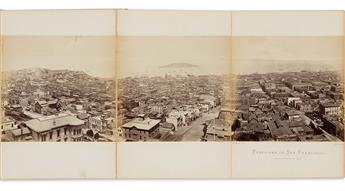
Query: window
50	135
65	131
43	137
58	133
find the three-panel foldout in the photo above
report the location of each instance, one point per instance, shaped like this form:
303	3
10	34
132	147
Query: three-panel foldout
106	94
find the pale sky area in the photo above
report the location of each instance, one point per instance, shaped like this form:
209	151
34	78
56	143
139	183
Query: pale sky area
93	55
140	56
281	54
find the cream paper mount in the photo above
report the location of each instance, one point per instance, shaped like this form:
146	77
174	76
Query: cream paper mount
113	93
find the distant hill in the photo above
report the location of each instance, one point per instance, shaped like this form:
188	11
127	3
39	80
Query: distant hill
42	73
179	65
261	66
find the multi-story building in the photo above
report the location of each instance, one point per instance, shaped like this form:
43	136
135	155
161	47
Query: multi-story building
96	122
42	107
280	130
292	115
56	128
141	129
7	124
333	126
304	107
329	108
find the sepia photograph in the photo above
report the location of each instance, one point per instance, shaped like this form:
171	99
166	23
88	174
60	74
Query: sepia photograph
288	89
174	88
58	89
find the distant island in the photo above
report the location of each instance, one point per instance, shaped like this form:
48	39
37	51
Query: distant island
179	65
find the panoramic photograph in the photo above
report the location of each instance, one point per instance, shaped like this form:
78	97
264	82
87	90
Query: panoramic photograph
174	88
58	89
288	89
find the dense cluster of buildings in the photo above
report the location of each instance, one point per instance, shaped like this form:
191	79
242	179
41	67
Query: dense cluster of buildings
155	108
62	105
57	105
291	106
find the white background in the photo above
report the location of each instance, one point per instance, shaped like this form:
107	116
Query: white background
173	185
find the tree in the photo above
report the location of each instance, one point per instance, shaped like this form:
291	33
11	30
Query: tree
89	133
236	124
97	136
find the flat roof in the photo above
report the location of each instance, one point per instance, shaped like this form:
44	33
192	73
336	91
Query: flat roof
142	124
279	128
47	123
292	112
23	131
330	104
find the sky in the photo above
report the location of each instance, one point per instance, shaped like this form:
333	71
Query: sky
94	55
138	56
273	54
